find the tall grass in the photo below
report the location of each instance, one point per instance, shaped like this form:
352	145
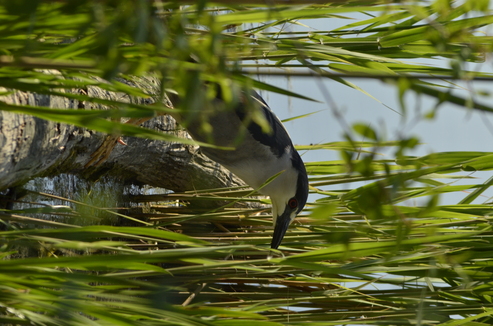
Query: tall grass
356	256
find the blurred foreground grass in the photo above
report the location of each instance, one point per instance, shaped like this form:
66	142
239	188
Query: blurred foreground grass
358	256
382	251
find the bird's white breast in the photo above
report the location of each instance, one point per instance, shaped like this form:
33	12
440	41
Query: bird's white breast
263	165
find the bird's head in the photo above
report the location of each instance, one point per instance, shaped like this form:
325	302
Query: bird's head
289	200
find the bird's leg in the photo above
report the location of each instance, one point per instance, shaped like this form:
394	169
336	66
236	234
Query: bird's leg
109	143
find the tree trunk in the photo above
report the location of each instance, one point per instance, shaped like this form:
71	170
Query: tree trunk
31	147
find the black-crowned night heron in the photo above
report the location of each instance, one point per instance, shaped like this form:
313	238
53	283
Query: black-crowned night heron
256	154
259	154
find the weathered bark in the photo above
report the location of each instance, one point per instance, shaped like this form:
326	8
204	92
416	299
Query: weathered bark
32	147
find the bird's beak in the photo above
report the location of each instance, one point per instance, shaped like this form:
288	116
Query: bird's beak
282	224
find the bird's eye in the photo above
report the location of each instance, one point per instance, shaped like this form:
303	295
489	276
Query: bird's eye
293	203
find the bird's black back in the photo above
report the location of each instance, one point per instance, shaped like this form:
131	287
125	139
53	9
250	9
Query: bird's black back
302	184
277	139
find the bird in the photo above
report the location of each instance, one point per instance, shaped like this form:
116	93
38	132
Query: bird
254	152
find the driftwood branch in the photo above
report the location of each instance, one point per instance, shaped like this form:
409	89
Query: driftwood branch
32	147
